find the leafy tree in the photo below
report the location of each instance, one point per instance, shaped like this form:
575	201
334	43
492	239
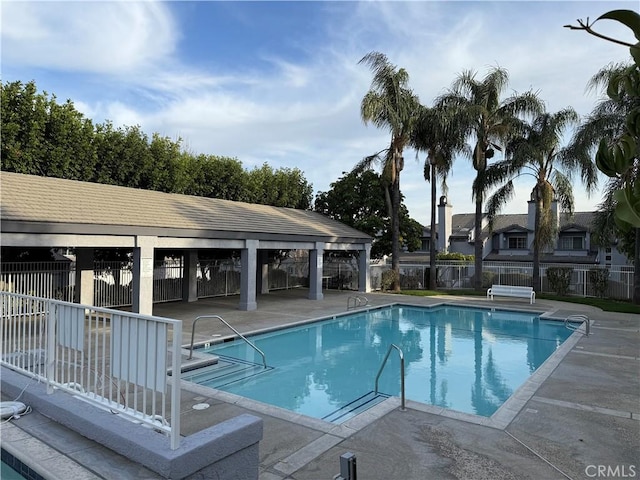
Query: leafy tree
618	156
390	104
217	177
42	137
157	175
123	156
284	187
357	199
539	153
437	134
490	122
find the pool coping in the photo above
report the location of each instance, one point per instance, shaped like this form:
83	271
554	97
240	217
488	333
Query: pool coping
499	420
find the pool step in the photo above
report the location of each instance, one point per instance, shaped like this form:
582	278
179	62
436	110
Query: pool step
355	407
226	371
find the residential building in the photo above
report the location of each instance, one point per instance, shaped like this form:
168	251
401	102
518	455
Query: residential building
512	236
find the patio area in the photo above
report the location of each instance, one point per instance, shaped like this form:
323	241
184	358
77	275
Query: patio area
579	419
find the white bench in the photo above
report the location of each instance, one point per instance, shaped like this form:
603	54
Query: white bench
511	291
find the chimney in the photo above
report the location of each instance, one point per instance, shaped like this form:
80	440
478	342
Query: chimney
445	214
555	213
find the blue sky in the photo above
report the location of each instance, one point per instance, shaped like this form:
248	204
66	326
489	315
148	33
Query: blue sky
279	82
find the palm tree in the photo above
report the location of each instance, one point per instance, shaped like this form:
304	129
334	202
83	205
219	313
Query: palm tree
539	153
608	121
436	134
491	122
390	104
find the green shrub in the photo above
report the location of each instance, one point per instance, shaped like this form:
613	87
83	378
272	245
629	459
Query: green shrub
455	256
412	281
599	280
488	279
389	277
559	279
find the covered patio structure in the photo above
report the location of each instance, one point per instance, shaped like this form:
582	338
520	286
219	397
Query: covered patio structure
57	213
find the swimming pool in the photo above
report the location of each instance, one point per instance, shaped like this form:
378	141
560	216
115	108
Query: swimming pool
11	468
460	358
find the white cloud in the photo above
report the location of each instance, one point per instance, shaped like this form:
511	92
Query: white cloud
101	37
305	112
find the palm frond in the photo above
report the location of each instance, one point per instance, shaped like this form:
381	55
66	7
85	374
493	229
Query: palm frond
370	161
563	191
498	200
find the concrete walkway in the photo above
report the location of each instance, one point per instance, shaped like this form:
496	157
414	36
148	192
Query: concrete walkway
578	418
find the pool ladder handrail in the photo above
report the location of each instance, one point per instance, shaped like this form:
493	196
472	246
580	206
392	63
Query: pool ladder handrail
357	301
579	317
384	362
251	344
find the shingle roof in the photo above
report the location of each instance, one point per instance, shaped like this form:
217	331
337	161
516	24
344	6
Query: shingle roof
463	223
590	258
28	198
505	221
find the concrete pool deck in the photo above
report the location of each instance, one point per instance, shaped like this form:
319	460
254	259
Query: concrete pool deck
578	418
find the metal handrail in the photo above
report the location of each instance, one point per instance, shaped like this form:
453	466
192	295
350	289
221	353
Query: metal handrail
193	332
384	362
357	301
576	318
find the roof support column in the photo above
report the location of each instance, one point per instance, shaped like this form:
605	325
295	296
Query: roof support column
249	261
84	276
190	276
143	275
364	269
263	256
315	272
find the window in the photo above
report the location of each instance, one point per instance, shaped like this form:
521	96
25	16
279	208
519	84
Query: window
517	243
571	243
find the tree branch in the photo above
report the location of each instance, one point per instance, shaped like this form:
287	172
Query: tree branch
588	28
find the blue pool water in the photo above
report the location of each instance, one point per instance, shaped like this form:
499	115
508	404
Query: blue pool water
11	468
466	359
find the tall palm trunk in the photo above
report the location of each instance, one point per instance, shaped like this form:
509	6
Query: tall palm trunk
395	219
395	233
477	228
636	270
432	241
536	242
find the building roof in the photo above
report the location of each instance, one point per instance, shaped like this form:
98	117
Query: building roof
462	223
55	205
590	258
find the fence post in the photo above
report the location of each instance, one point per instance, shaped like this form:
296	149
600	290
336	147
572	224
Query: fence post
52	313
176	387
425	285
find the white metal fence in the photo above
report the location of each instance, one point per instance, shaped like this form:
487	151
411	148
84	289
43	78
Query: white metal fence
113	280
341	274
288	274
218	278
459	275
32	278
167	280
112	284
115	360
